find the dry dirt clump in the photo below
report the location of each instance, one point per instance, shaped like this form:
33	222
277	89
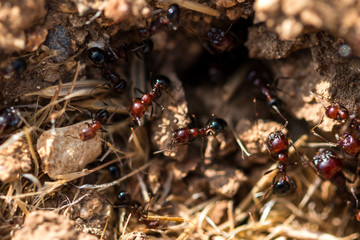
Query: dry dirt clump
14	159
17	21
49	225
290	18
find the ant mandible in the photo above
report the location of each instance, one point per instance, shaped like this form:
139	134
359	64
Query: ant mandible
99	58
101	117
278	145
139	105
10	120
186	135
261	80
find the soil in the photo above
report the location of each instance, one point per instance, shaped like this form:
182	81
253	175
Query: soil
219	186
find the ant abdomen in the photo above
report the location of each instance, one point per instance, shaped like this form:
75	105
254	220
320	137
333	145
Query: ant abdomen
281	187
337	113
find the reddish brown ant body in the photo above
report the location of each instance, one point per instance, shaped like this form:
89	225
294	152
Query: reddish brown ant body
139	105
278	145
101	117
186	135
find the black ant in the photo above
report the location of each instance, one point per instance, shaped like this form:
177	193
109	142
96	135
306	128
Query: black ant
141	214
186	135
139	105
101	117
278	145
171	20
112	79
261	80
10	120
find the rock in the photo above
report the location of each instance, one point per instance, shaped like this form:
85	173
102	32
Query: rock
62	151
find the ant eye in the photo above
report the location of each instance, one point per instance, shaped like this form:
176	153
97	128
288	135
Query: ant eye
281	188
161	80
96	55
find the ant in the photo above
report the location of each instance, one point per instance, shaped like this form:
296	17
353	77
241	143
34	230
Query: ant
278	145
220	40
101	117
171	20
10	120
124	201
261	80
139	105
100	58
329	167
186	135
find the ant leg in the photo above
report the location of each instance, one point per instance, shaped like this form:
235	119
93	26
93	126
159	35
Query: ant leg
297	153
138	90
282	116
291	182
162	108
202	149
356	173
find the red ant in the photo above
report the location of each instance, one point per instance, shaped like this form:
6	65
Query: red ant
171	20
101	117
10	120
186	135
124	201
261	80
278	145
139	105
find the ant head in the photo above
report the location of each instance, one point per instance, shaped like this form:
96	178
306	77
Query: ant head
173	14
120	86
217	125
9	119
102	115
123	198
114	171
96	55
160	80
278	141
281	187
